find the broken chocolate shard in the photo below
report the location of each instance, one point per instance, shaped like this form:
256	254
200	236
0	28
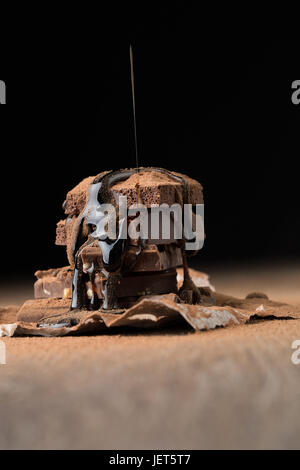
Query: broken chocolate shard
33	310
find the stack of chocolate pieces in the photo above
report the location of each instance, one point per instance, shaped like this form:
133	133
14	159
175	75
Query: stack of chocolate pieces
155	269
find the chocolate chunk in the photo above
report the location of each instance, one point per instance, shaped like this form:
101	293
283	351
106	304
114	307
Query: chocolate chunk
156	188
77	197
91	258
53	283
34	310
141	284
154	258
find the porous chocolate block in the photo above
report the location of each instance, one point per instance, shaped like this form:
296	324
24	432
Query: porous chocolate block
153	188
53	283
61	235
77	197
149	187
114	274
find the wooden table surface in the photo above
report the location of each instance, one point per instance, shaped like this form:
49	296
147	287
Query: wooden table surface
234	388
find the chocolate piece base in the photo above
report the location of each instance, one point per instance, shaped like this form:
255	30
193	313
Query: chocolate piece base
151	312
35	310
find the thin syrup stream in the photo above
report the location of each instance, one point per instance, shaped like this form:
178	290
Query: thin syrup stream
134	120
133	105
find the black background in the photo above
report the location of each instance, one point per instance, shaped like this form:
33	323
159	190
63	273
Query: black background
214	106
